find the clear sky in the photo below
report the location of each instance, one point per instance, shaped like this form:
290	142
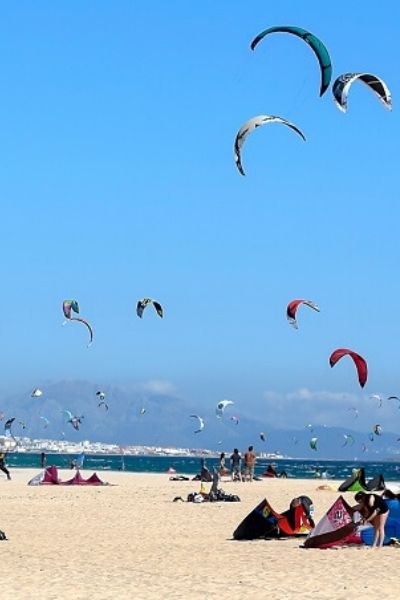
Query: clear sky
117	181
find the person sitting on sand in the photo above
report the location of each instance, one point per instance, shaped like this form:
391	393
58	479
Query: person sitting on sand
374	510
271	470
3	465
222	470
236	460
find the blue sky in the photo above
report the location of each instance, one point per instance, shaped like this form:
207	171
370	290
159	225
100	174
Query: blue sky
117	181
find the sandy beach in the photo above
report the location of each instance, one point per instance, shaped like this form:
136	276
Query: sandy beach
130	540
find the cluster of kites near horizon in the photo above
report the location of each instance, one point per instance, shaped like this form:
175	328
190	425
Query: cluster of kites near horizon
340	90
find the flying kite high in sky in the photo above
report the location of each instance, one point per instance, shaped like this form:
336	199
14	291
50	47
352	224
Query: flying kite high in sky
355	411
7	427
292	310
379	398
46	422
101	395
141	305
342	85
348	439
74	420
377	429
235	420
221	407
36	393
395	398
250	126
313	443
315	43
359	361
262	436
70	306
201	423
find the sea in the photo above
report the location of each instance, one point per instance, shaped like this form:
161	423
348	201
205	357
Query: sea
189	465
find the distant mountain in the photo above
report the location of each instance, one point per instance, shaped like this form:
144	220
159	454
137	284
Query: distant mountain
166	422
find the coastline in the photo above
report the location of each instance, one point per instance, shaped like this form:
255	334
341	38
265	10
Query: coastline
129	540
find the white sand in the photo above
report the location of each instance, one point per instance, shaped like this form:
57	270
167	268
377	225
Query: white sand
132	542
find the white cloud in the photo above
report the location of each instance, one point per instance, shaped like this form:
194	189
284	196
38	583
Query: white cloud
157	386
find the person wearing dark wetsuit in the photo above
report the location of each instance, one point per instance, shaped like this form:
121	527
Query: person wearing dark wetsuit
375	510
3	465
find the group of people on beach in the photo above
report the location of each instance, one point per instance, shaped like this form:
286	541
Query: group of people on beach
242	468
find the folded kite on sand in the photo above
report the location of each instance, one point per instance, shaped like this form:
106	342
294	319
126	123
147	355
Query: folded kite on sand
50	477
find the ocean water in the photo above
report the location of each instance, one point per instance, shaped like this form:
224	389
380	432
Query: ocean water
300	469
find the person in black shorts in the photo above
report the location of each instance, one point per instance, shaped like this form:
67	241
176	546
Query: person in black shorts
3	466
374	510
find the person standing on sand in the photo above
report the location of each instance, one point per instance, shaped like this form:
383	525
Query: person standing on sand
3	465
236	460
249	463
374	510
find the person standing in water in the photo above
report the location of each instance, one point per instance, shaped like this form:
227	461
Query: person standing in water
43	460
3	466
374	510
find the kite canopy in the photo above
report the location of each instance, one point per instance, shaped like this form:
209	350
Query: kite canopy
264	521
200	421
36	393
221	407
70	306
359	361
292	310
315	43
335	528
250	126
141	305
341	88
313	443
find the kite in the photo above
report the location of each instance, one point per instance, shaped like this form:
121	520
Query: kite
7	427
221	407
348	439
313	443
371	437
141	305
142	411
252	124
74	420
46	422
292	309
102	398
342	85
353	408
315	43
70	306
235	420
377	397
36	393
364	447
377	429
22	424
359	361
394	398
309	427
262	436
201	423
